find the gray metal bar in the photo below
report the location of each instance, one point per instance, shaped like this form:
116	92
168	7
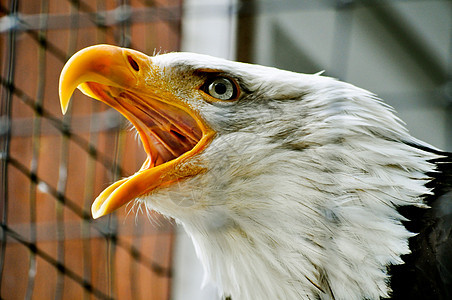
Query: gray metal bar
119	15
107	120
408	38
6	112
47	231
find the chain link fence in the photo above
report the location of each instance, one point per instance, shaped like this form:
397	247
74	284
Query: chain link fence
52	167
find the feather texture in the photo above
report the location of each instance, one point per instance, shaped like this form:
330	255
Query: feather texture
304	183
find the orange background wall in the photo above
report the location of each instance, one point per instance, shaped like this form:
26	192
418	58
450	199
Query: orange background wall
57	165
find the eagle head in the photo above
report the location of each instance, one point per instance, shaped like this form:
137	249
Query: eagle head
287	183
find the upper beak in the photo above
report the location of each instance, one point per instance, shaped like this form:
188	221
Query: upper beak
103	64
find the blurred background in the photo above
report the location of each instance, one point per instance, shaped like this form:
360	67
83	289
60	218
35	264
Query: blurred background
52	167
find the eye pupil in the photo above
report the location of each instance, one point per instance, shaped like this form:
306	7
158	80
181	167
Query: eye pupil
221	88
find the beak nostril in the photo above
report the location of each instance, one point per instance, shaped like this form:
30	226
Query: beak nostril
133	63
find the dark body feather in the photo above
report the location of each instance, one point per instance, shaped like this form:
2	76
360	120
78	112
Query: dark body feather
427	272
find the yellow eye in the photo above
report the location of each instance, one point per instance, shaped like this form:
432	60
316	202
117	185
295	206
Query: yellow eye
221	88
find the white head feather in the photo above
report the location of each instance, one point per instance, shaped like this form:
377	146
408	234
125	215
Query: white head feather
302	183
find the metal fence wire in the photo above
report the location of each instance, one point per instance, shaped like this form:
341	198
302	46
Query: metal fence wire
52	167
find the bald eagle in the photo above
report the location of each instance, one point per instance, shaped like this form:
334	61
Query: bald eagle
291	186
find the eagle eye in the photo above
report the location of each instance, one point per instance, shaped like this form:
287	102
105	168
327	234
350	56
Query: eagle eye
221	88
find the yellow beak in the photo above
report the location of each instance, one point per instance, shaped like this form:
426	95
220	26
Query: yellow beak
171	131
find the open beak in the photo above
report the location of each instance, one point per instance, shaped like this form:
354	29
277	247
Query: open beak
170	130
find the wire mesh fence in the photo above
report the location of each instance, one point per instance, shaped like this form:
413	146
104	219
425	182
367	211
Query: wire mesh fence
52	167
